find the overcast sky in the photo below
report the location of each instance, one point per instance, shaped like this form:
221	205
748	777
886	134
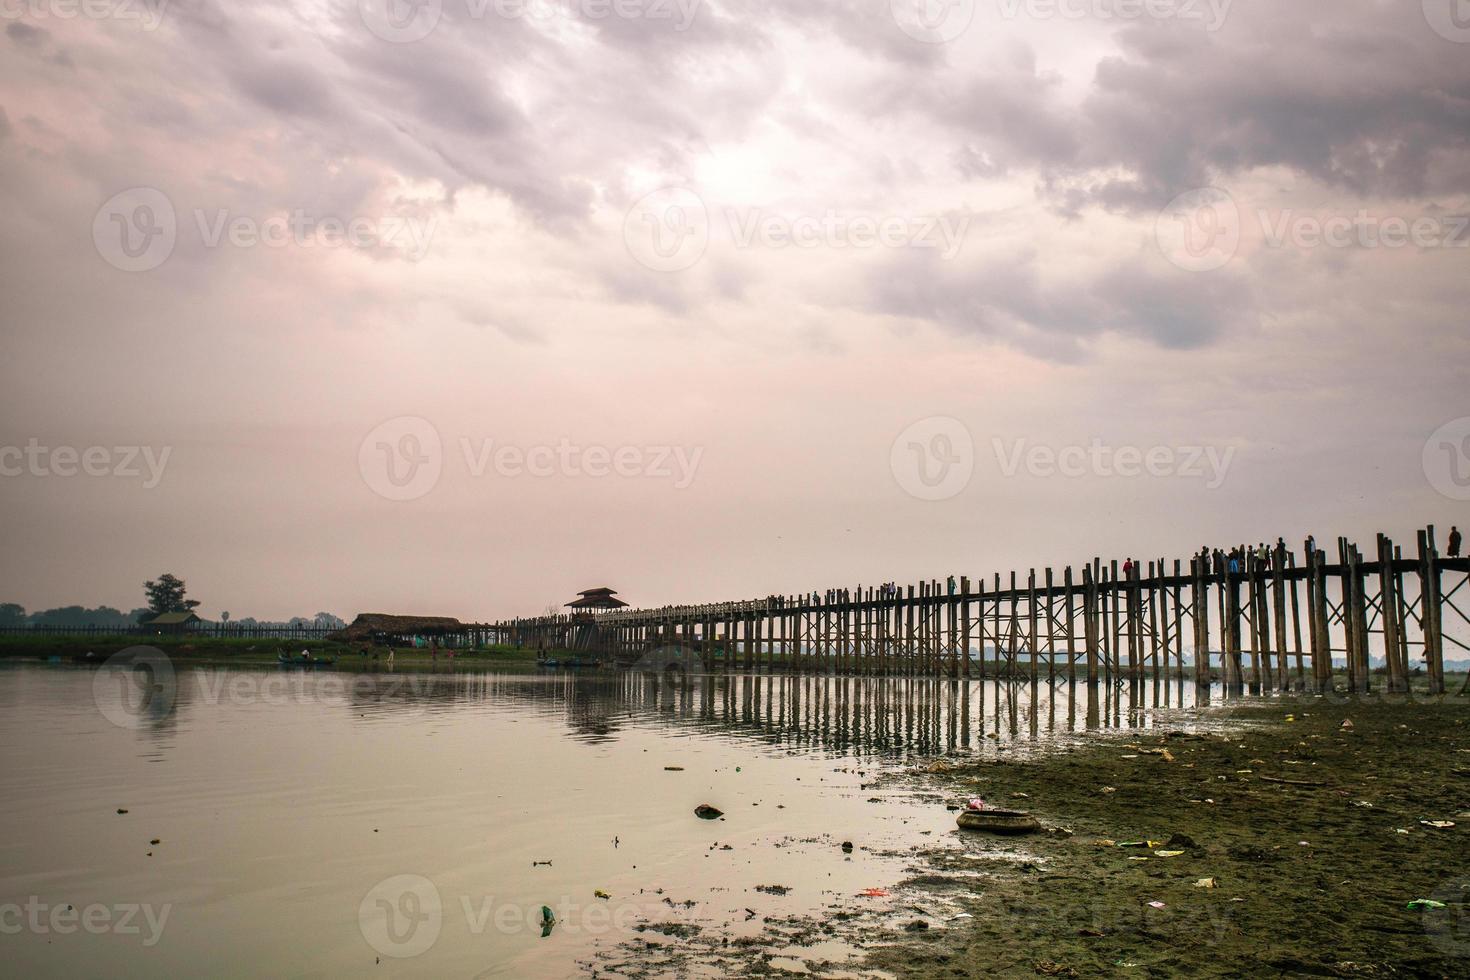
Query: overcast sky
459	308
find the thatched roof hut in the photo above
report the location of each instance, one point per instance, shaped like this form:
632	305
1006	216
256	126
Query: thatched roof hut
374	626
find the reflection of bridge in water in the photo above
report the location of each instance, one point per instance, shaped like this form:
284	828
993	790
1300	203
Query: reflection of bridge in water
1269	619
879	716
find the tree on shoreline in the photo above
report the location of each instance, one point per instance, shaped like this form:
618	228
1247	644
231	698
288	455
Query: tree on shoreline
167	595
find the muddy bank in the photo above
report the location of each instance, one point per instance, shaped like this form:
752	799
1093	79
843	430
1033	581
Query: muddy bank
1268	840
1291	844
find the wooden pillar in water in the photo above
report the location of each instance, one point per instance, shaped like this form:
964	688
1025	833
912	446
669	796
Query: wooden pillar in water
1155	643
1254	581
1296	622
1071	628
1234	681
1089	622
1051	632
1321	632
1178	621
980	631
1429	611
1398	680
1278	609
1131	617
1349	626
1031	613
964	645
995	632
1199	602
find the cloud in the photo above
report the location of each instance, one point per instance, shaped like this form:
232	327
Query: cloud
26	35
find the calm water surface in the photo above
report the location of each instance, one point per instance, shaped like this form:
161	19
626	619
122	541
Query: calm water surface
317	824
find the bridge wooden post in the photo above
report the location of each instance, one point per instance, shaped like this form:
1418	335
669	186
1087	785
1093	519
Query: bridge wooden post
1296	622
1111	644
1278	609
1199	601
1253	577
1131	618
1322	631
1403	615
1089	623
1154	571
1398	678
1430	600
1349	625
1072	632
1051	632
749	626
925	613
1233	673
964	646
980	632
1014	628
1360	620
1031	614
1178	623
995	634
852	643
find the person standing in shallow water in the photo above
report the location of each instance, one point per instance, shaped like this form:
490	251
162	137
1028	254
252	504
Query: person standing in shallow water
1454	543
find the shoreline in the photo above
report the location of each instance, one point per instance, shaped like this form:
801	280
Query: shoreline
1274	847
1299	841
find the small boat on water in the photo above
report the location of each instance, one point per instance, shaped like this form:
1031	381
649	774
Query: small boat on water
997	821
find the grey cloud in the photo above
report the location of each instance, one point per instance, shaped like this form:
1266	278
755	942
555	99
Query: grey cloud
26	35
1055	314
1355	94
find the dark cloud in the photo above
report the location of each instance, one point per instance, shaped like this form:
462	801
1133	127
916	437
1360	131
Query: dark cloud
1361	96
1055	313
26	35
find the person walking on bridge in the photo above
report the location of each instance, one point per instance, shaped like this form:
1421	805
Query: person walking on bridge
1454	543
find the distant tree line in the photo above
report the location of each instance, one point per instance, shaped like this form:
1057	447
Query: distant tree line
166	594
14	615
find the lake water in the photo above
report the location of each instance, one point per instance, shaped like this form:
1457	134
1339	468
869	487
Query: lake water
323	824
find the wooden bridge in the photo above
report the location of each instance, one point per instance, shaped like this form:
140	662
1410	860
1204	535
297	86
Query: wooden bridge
1263	622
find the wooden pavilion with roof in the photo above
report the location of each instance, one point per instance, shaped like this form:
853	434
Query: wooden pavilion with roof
595	600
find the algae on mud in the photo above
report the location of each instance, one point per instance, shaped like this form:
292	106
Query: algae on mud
1302	848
